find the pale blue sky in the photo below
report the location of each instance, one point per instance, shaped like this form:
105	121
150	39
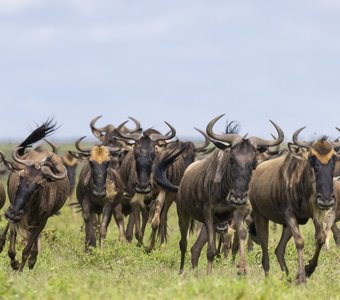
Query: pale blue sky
180	61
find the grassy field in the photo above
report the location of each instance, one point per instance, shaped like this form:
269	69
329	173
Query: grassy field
124	271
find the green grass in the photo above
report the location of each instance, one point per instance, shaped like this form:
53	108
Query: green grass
124	271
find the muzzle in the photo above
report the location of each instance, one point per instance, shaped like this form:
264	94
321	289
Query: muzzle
324	203
143	189
13	216
237	198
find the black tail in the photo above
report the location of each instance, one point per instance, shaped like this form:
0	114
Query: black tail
163	164
38	134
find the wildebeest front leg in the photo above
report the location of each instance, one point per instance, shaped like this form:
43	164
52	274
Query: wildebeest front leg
209	223
119	218
281	248
198	245
242	236
3	238
90	237
129	228
320	238
32	239
156	219
106	218
336	234
136	210
299	244
11	250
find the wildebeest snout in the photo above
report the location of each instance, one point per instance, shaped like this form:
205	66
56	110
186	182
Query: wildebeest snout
237	198
99	191
143	188
325	203
13	216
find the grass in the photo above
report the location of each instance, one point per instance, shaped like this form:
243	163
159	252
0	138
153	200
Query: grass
124	271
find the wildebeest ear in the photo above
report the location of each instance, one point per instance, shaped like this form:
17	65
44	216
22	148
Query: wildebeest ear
79	155
298	151
220	145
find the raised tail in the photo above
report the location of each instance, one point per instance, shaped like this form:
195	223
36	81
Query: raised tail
38	134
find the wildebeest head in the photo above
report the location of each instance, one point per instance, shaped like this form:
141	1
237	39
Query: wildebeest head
100	158
242	158
146	146
321	156
34	169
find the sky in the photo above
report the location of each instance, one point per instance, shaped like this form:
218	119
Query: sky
184	62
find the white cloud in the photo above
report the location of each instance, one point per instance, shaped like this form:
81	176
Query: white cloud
14	6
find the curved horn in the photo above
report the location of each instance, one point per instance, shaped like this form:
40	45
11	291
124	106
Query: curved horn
133	130
96	132
84	150
10	166
336	142
296	141
203	147
229	138
47	171
16	157
53	146
125	135
262	143
171	134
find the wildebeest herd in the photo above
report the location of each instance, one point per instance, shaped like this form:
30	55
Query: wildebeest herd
138	174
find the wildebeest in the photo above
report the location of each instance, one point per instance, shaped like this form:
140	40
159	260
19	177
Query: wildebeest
136	171
99	191
291	189
139	163
37	189
214	188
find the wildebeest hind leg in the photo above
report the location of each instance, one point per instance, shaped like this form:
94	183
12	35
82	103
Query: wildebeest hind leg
198	245
261	225
164	218
119	218
184	224
129	228
281	248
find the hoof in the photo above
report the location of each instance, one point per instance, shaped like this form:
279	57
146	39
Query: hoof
15	265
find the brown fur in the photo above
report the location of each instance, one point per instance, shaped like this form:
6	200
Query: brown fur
100	154
2	195
283	190
45	201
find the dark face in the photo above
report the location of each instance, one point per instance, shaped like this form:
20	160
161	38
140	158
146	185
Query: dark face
30	180
144	154
99	174
324	173
242	163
